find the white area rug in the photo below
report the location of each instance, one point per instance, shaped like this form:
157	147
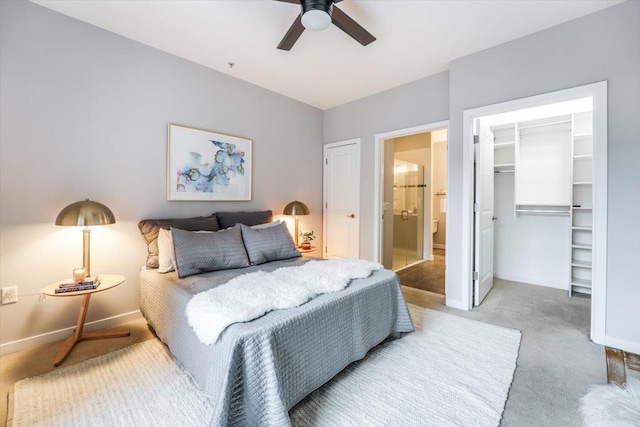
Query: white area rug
612	406
450	372
139	385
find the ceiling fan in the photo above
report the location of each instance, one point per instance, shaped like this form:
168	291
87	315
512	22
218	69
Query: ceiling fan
317	15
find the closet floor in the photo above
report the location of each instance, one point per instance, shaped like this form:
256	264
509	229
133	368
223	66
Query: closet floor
427	275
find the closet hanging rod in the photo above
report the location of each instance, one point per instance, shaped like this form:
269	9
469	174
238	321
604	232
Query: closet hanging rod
544	124
542	211
505	171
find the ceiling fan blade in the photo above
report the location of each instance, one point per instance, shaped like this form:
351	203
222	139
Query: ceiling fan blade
351	27
292	35
290	1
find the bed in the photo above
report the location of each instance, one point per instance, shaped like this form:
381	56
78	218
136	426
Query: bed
256	371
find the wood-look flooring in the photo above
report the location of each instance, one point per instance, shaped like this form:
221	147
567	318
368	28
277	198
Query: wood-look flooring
618	362
427	275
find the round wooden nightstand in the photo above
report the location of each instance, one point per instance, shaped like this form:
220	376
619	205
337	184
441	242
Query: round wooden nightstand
107	281
305	251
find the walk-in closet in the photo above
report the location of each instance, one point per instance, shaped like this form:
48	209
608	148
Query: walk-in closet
543	203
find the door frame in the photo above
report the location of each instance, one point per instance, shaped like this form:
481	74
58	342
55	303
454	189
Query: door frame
378	179
598	91
325	149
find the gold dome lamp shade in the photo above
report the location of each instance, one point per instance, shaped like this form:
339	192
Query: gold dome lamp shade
86	213
296	208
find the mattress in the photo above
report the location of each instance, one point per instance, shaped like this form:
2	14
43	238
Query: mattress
258	370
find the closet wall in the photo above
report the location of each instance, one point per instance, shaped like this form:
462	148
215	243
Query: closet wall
531	242
542	201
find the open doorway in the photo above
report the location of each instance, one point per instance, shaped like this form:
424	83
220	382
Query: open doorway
545	159
412	205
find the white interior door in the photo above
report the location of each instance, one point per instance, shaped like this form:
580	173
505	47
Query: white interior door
483	218
342	199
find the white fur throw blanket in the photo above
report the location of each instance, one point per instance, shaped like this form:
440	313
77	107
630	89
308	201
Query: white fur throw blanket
612	406
251	295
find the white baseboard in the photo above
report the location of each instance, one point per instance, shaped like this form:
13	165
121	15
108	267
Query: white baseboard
62	334
532	280
628	346
439	246
456	303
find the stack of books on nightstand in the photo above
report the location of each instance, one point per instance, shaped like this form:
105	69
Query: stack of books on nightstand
70	285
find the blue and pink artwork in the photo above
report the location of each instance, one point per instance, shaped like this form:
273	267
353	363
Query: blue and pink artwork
208	166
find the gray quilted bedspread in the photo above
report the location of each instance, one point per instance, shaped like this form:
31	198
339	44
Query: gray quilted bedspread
259	370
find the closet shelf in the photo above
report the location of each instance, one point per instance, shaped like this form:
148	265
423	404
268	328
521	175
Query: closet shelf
581	282
582	135
504	167
575	245
580	290
583	264
505	144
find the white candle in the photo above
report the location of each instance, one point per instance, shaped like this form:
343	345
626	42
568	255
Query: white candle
79	274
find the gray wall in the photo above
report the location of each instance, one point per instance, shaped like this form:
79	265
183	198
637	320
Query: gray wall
412	104
601	46
84	114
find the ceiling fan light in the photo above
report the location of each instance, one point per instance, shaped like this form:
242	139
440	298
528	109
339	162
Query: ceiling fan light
316	20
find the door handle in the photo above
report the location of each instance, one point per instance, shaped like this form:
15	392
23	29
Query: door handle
352	216
493	218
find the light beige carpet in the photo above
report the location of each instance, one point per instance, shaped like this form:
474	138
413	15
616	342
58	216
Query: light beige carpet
139	385
451	372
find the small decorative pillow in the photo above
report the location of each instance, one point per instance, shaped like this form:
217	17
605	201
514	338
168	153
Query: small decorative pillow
202	252
268	244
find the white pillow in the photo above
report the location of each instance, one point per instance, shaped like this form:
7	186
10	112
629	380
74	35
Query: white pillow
166	253
267	225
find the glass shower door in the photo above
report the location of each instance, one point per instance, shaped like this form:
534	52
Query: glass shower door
408	213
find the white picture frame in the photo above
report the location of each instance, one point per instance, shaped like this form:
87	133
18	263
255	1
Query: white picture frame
207	166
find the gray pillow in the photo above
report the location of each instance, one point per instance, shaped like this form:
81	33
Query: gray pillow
268	244
229	219
149	229
202	252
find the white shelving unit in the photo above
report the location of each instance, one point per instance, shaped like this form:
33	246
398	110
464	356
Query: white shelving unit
582	203
504	157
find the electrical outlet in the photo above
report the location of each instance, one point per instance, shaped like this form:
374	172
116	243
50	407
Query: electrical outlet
9	295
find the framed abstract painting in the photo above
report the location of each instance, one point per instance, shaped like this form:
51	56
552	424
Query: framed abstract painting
207	166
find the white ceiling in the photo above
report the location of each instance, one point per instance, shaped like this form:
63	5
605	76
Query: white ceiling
415	38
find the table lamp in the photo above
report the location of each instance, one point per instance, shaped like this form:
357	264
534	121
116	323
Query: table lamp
86	213
296	208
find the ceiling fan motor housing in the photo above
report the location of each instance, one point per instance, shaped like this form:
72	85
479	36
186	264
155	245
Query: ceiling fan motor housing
322	5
